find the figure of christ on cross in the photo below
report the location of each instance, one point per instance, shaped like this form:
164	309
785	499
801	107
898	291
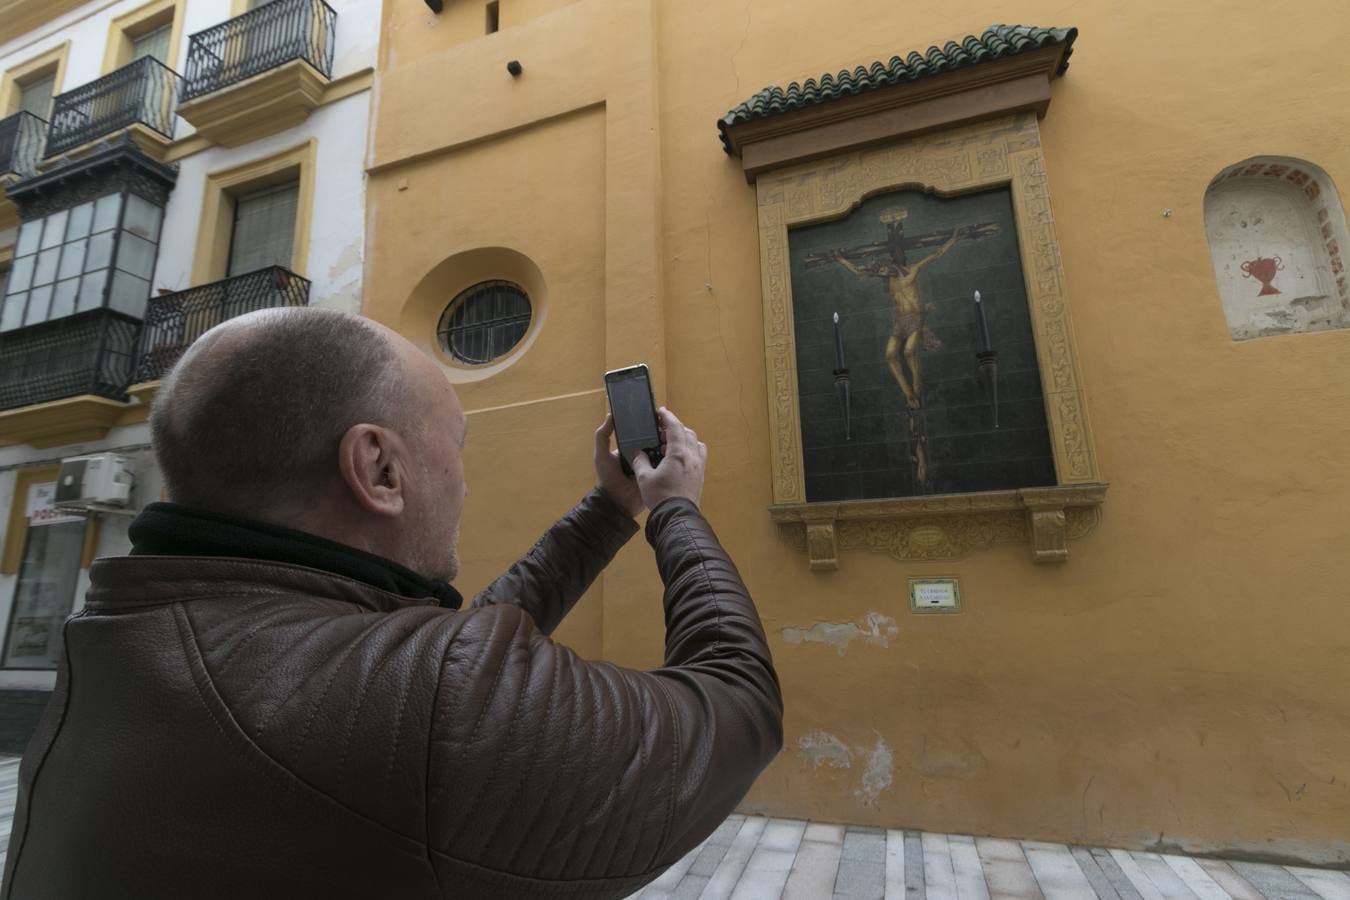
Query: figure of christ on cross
887	262
907	327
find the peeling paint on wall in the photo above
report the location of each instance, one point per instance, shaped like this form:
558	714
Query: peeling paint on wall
347	260
824	749
948	757
877	775
874	629
341	289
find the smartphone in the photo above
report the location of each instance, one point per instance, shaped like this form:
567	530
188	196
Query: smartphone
636	428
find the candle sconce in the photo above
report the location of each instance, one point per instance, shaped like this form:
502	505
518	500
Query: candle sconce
841	387
841	381
987	369
988	374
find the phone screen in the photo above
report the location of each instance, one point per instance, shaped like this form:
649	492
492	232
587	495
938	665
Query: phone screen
635	424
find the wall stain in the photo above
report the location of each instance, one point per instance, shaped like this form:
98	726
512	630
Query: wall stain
873	628
877	775
824	749
948	757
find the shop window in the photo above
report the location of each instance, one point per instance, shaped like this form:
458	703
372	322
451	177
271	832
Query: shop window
54	550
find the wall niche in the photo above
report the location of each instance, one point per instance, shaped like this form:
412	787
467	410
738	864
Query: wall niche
1276	234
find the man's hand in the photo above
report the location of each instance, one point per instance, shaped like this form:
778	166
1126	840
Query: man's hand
615	485
680	473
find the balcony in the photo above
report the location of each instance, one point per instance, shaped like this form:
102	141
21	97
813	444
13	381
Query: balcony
62	381
174	321
68	379
139	97
21	139
259	73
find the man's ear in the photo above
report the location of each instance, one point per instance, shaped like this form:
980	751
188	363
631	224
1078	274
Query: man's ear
370	459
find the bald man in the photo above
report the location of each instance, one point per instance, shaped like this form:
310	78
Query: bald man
277	694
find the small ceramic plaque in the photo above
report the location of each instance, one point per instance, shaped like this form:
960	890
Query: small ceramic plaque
934	595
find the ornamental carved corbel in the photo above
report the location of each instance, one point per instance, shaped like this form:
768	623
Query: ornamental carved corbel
943	527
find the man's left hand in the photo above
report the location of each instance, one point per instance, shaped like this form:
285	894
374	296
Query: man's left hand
613	483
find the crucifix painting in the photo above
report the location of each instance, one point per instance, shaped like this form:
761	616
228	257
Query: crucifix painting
889	262
901	271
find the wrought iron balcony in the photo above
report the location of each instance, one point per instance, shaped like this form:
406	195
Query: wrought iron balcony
21	139
89	353
261	39
174	321
144	92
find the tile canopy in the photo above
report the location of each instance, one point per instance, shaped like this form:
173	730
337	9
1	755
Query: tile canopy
997	42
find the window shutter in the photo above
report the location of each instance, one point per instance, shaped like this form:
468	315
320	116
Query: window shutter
264	229
154	43
36	97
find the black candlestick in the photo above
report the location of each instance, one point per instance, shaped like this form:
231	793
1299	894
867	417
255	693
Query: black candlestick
841	387
988	372
986	344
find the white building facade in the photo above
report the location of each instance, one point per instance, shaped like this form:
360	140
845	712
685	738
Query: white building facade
166	165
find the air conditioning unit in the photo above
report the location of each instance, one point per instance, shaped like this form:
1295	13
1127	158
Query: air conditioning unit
98	482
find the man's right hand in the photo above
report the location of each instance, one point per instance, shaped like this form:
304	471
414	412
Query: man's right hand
680	473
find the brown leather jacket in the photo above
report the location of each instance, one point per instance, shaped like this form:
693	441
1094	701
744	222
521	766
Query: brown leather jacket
233	728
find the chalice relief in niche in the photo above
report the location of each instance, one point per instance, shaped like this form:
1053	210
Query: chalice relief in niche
1263	269
895	264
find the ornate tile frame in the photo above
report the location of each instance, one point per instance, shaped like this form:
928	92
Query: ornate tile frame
998	152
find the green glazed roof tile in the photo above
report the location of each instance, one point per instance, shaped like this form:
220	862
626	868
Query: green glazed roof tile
997	42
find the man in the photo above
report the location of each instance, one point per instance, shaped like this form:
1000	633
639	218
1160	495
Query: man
269	697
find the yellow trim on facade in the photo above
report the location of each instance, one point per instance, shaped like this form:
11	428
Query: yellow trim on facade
266	104
129	26
92	526
60	422
20	16
348	85
17	530
143	393
185	147
334	91
6	255
54	60
150	142
212	254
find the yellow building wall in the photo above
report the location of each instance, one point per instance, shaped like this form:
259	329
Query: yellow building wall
1181	681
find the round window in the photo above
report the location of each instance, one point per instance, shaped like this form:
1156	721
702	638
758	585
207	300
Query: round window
483	323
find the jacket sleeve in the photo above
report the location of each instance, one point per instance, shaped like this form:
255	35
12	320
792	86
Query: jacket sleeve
548	768
548	580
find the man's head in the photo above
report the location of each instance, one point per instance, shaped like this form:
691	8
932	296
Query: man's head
323	422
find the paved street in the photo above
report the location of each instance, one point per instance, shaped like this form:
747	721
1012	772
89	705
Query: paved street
9	794
753	858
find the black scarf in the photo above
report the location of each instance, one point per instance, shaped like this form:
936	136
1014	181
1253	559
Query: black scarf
168	529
